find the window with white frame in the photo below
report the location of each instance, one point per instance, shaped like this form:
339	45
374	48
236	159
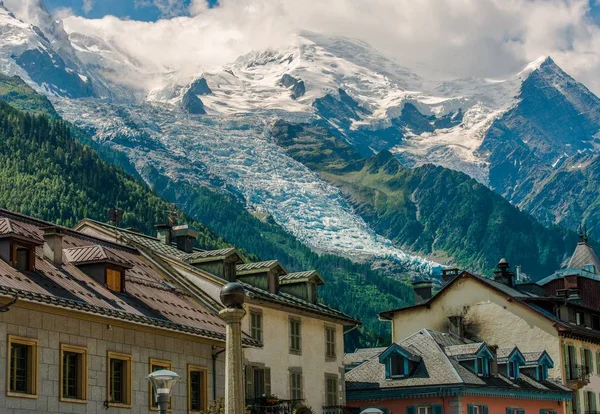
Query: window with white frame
425	410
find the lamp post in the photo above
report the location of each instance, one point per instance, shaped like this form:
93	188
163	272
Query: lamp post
163	382
233	296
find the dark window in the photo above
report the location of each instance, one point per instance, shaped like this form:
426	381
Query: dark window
22	257
397	365
258	381
117	381
19	368
331	389
295	336
256	325
71	376
197	389
330	342
596	322
512	369
579	318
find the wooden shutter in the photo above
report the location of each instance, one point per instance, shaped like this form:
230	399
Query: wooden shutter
582	352
485	409
598	362
470	409
586	402
411	410
508	410
437	409
268	381
249	382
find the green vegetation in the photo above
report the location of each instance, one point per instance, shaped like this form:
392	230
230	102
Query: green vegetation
47	173
18	94
430	210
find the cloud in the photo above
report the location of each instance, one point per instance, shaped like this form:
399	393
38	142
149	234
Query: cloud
440	38
87	6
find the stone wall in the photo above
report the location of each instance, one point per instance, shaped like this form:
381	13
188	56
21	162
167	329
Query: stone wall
52	330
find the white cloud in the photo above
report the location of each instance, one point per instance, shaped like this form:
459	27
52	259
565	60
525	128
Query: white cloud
444	38
87	6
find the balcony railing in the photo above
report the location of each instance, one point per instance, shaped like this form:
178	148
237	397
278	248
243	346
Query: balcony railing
266	405
579	373
340	409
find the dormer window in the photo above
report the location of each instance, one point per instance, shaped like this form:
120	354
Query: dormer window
397	365
482	366
512	369
114	279
23	257
398	361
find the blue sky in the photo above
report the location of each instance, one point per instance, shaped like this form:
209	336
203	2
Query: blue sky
147	10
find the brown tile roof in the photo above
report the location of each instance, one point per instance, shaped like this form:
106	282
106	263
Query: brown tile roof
205	255
258	267
10	227
148	299
93	254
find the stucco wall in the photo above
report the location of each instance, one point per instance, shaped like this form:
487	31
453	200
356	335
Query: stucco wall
459	405
52	330
276	355
488	315
594	384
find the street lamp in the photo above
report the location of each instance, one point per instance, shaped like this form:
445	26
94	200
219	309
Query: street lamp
163	382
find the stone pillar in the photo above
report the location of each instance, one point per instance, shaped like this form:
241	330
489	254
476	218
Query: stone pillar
232	296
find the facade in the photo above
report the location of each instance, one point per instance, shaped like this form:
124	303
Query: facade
85	320
431	372
301	358
558	314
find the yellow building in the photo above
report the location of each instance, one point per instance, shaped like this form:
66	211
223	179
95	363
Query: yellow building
505	313
301	358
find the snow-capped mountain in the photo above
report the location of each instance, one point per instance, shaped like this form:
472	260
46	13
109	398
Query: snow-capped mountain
206	125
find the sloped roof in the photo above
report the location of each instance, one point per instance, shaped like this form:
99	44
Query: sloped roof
10	227
437	369
93	254
149	299
464	350
209	255
584	255
362	354
257	267
299	277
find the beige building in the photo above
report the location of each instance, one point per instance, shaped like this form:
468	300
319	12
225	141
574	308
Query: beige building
301	358
83	321
532	316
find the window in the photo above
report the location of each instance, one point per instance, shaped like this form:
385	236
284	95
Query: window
515	411
119	379
512	369
155	365
596	322
482	366
542	372
477	409
589	402
295	336
329	342
425	410
548	411
296	384
23	369
397	363
73	373
587	360
256	325
197	389
258	381
113	279
331	390
23	257
579	318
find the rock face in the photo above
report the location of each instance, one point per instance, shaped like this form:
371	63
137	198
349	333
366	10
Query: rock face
192	104
200	87
295	85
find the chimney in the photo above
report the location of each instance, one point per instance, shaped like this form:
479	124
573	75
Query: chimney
422	290
163	233
456	326
53	244
184	237
503	274
449	274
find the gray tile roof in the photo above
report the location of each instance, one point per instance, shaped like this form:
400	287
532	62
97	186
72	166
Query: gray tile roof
301	277
94	253
464	350
532	356
258	266
584	255
204	255
437	368
362	354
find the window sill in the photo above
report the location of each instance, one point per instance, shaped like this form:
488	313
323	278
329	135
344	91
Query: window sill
21	395
72	400
295	352
120	405
330	358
